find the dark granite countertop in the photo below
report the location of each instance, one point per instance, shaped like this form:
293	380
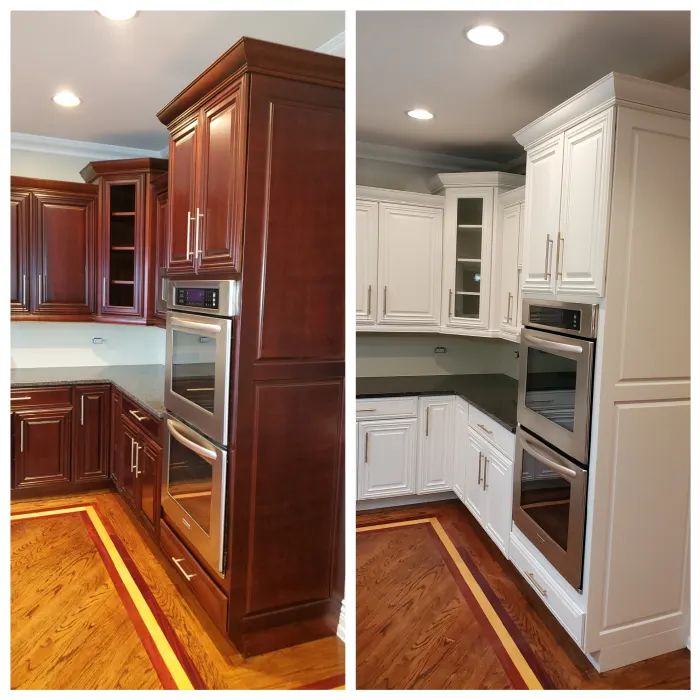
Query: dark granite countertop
494	394
144	384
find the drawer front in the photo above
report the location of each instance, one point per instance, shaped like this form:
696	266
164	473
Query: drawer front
140	418
492	431
45	396
571	618
397	407
208	595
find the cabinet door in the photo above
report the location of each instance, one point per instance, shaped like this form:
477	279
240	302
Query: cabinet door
116	438
148	475
218	226
19	252
386	455
510	273
160	301
461	448
435	445
181	193
367	242
582	242
543	197
410	244
91	407
129	456
42	446
498	491
474	497
64	253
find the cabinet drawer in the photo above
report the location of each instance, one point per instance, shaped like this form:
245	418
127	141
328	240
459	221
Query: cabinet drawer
46	396
141	418
492	431
397	407
570	616
208	595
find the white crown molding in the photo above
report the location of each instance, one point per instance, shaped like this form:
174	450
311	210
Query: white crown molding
425	159
79	149
335	46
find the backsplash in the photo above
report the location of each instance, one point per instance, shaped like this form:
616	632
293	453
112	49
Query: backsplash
38	344
393	354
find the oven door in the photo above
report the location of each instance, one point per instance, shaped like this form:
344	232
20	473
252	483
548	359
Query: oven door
197	369
193	493
549	504
555	389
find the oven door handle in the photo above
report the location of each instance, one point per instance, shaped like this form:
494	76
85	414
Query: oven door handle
555	466
195	325
538	342
201	450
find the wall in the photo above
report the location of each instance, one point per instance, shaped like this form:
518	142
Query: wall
49	166
395	176
391	354
45	344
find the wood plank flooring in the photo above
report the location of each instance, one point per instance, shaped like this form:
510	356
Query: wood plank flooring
64	607
415	631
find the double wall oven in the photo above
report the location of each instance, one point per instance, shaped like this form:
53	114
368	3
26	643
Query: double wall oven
557	352
201	327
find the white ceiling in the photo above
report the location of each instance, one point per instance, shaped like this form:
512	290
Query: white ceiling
126	71
481	96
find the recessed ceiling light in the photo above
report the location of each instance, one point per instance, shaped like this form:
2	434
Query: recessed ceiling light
485	35
419	113
118	13
66	98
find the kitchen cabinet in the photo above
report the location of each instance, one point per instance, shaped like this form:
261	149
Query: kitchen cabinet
509	311
20	273
366	252
460	448
127	478
435	442
91	432
474	494
498	492
156	291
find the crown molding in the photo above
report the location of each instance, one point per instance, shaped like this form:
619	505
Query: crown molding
335	46
79	149
425	159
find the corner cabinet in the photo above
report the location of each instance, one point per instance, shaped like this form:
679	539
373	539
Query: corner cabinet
366	251
435	444
508	309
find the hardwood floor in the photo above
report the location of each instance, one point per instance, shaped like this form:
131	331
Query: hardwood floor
415	630
70	629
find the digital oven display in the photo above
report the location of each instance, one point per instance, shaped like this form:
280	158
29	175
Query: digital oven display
198	297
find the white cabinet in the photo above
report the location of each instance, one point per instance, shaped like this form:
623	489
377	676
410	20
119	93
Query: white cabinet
510	229
567	195
386	458
498	494
460	447
410	250
367	242
474	494
435	444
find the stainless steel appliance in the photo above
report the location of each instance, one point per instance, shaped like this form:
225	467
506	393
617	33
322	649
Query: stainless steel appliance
555	390
200	328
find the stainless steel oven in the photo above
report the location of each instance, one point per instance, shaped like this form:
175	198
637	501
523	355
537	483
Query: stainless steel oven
200	330
557	347
193	493
550	504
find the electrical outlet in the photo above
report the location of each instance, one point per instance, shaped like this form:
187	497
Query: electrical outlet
98	341
440	350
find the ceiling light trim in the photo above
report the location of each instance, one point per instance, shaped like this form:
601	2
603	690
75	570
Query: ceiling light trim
335	46
81	149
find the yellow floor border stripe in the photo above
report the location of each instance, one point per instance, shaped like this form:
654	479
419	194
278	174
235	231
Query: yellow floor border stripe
495	621
166	652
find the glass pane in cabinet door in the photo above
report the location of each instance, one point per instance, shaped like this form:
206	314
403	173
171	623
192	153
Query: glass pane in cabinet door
468	276
467	305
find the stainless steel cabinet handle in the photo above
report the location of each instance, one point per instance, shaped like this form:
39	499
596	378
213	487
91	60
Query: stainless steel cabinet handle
187	243
366	446
20	398
21	436
40	290
560	253
182	571
369	299
136	461
131	459
531	576
547	252
24	290
427	421
478	481
82	409
136	415
385	300
485	429
486	464
104	291
199	216
509	317
449	304
366	410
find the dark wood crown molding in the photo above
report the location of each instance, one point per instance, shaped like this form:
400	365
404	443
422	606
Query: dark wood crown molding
97	168
19	182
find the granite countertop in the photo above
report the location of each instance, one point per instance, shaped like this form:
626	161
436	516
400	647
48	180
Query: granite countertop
144	384
494	394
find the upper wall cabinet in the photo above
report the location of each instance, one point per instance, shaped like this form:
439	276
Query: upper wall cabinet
52	250
509	261
399	259
567	196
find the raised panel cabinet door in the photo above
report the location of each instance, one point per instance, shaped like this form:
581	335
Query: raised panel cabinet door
367	242
19	252
386	456
460	445
149	480
474	497
542	199
64	253
510	273
129	456
160	294
181	194
218	225
410	261
42	446
91	433
435	458
116	439
583	232
498	491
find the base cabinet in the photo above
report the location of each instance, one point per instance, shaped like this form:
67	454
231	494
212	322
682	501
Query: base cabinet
434	444
91	436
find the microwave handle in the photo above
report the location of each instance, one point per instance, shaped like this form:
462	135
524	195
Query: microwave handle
195	325
198	449
555	466
537	342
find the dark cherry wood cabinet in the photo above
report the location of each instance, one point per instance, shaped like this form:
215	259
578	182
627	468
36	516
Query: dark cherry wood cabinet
52	250
115	455
91	432
156	302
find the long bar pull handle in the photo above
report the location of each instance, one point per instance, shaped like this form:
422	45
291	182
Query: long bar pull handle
478	481
182	571
545	344
24	291
131	460
485	429
531	576
560	255
427	421
198	217
449	305
104	291
202	450
187	243
40	290
20	398
136	415
366	446
384	300
136	461
369	299
548	461
547	251
509	316
21	436
82	409
486	463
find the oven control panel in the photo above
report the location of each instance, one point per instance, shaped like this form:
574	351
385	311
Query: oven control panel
201	298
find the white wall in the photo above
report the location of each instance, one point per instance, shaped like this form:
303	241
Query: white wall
46	344
395	355
395	176
49	166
